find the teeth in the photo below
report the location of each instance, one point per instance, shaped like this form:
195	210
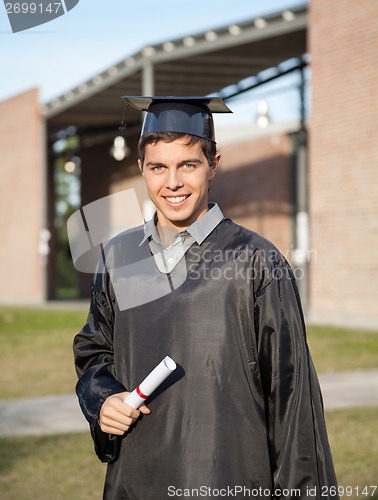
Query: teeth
176	199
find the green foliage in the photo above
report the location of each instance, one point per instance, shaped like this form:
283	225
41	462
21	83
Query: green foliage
67	200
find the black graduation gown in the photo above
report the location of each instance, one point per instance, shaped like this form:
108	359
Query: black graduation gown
243	409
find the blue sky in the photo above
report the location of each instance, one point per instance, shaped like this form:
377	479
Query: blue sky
98	33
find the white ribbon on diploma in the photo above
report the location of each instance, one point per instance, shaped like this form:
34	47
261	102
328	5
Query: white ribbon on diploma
139	395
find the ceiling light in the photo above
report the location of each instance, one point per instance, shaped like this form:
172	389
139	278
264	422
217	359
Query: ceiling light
120	149
260	23
148	51
211	36
169	46
83	87
189	41
262	118
288	15
129	61
234	30
113	71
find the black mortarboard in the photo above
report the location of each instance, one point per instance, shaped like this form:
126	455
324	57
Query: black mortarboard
187	115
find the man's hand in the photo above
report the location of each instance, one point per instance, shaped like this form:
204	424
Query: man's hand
116	416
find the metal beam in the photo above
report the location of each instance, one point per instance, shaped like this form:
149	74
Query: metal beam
148	81
263	80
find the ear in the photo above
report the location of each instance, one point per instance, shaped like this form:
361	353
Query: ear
214	167
140	166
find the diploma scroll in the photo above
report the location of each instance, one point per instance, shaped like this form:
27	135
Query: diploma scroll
136	398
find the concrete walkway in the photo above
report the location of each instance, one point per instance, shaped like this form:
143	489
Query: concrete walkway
61	414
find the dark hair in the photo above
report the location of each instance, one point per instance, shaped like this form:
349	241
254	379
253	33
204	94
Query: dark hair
209	148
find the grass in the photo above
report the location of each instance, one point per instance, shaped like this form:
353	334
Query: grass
64	466
36	360
50	468
353	436
36	351
338	349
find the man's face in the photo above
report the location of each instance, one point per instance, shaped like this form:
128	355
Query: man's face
177	179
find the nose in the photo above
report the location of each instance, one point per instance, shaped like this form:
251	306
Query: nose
174	179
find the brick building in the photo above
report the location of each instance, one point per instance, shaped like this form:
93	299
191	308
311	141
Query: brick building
21	200
259	171
253	184
343	174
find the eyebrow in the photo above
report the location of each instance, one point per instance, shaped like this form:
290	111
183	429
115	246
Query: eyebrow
154	164
197	161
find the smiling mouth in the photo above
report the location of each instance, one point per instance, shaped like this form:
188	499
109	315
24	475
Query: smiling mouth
176	200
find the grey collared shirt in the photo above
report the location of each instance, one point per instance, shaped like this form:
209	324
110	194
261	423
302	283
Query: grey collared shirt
167	257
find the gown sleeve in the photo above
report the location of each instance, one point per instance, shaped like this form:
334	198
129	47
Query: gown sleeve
94	363
300	455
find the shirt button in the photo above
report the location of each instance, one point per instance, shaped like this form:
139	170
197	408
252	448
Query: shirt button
170	261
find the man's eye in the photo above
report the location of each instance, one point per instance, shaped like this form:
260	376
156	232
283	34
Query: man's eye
158	168
188	166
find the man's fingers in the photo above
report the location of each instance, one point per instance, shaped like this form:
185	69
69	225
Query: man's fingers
110	429
110	414
116	403
114	422
111	423
144	409
118	412
116	417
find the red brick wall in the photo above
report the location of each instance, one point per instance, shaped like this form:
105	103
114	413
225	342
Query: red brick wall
252	187
21	172
343	40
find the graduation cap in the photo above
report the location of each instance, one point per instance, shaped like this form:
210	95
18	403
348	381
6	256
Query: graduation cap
187	115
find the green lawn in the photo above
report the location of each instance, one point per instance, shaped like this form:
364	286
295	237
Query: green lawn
36	359
64	466
36	351
60	467
338	349
353	436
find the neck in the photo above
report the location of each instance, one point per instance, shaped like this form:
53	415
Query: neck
167	233
165	226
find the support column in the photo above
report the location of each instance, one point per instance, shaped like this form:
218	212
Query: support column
45	231
301	252
148	78
148	88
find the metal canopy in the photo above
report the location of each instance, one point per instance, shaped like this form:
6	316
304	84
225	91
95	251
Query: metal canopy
200	64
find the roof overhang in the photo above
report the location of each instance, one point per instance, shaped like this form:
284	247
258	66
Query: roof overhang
199	64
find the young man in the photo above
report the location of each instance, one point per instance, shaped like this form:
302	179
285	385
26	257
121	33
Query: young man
242	416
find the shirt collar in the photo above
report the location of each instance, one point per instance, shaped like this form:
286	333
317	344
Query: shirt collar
202	227
199	230
150	230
